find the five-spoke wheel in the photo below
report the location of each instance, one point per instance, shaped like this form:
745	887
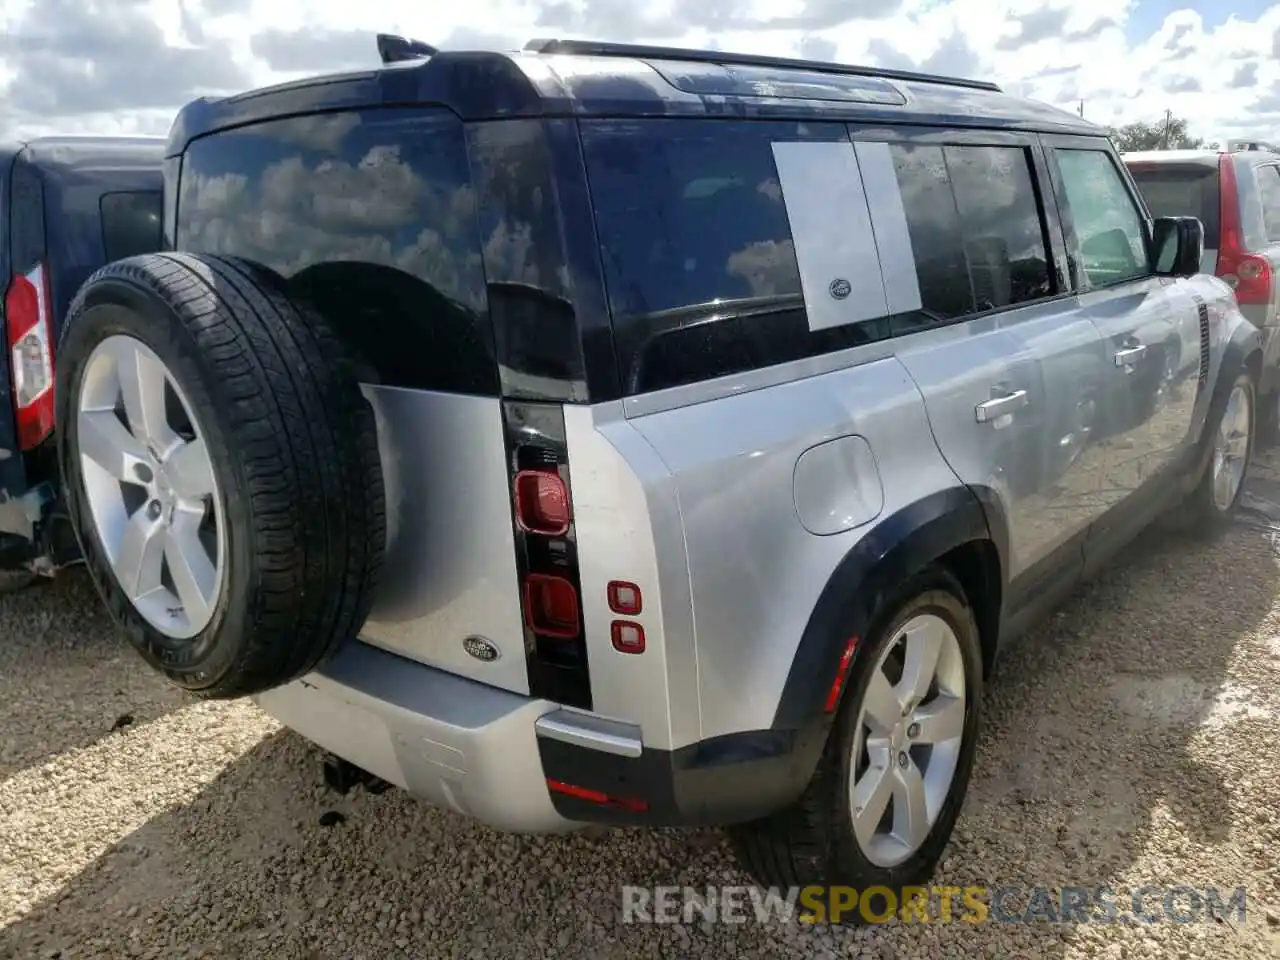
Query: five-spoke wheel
895	765
907	739
1231	446
151	490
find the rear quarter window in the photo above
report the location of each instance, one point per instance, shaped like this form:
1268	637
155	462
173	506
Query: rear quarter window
1181	190
131	223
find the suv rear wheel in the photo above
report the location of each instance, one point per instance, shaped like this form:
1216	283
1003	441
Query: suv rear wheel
221	470
1214	500
885	797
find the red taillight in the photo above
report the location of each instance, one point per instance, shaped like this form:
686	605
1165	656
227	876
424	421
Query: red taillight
542	502
597	797
1250	276
551	606
546	552
627	637
28	321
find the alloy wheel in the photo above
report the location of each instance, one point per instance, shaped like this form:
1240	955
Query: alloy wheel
150	485
907	742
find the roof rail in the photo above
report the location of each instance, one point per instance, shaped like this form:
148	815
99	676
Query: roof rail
594	48
394	49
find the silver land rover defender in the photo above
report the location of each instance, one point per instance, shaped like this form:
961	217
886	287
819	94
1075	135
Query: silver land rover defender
612	434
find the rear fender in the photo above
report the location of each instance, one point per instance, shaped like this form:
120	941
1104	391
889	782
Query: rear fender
900	546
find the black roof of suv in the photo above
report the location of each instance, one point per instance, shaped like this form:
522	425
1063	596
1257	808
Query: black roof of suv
580	78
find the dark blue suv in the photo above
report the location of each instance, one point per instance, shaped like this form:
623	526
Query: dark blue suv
68	205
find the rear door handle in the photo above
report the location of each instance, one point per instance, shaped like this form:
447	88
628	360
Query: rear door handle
1130	355
997	407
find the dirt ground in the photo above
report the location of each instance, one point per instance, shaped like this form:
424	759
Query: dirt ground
1135	740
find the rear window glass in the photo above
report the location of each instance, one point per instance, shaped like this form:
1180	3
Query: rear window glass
132	223
1181	191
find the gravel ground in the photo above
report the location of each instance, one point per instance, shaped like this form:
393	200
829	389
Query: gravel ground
1133	741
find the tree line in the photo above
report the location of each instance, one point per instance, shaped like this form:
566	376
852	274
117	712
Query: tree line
1169	133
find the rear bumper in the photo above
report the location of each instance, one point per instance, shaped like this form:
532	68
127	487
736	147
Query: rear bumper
457	743
489	754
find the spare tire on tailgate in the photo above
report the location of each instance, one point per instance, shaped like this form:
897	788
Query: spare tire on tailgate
220	465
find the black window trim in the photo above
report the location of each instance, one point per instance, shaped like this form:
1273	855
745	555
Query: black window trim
1055	142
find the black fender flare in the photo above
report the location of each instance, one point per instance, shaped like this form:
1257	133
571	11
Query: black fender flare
899	546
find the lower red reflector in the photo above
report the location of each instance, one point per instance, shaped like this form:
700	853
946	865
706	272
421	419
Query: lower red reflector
595	796
842	672
627	637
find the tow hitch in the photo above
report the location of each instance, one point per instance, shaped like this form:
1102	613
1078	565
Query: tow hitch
342	776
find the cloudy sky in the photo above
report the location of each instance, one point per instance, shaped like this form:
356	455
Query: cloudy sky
126	65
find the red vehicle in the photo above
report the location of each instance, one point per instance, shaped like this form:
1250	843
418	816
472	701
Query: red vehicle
1235	193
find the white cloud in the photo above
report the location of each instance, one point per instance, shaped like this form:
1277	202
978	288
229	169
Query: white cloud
127	65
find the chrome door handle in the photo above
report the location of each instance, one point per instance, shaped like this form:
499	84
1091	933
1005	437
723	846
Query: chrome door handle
997	407
1130	355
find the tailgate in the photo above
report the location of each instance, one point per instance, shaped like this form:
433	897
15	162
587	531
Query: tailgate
450	570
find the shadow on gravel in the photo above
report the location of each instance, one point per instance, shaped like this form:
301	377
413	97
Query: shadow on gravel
1090	738
1092	728
67	678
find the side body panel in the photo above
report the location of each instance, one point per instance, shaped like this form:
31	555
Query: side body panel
1147	402
627	513
755	571
1036	458
1154	329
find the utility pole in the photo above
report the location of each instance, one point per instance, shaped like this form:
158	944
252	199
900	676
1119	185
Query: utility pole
1082	109
1168	123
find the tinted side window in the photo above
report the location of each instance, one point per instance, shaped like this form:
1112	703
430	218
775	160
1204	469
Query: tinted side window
937	240
698	257
1269	190
700	263
1003	233
372	217
131	223
1110	234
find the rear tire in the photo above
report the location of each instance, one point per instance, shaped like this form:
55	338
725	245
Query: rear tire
815	841
253	574
1211	505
